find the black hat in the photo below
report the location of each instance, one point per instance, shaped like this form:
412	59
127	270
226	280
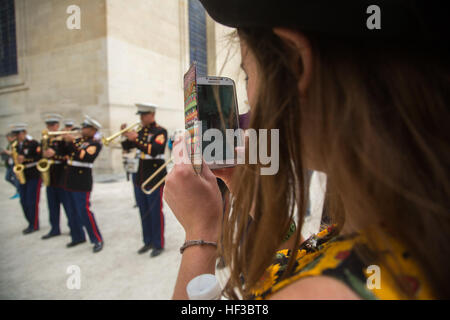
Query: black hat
398	18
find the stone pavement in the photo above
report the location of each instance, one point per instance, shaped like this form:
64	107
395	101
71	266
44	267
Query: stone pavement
31	268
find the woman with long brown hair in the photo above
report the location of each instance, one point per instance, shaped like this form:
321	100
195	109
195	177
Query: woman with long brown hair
370	108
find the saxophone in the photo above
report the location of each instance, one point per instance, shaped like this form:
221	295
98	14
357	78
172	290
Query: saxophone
18	167
44	164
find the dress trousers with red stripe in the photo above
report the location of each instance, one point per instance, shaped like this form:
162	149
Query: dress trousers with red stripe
78	185
56	194
30	191
151	142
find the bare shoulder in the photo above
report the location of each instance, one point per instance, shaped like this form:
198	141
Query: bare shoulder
312	288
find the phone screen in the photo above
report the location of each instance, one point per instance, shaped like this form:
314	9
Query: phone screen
217	109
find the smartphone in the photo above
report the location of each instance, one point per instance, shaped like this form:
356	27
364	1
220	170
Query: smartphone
218	110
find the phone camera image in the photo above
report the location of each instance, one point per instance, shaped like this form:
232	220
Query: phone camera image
217	113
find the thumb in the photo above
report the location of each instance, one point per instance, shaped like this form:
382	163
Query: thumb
206	171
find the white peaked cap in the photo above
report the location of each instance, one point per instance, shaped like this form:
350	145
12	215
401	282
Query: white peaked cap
18	127
69	122
53	117
88	121
146	107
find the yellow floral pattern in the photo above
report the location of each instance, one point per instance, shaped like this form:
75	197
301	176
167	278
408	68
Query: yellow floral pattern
331	255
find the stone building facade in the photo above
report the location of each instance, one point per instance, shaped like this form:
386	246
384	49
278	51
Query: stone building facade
122	52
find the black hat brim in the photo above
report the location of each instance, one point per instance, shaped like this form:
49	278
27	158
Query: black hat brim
405	18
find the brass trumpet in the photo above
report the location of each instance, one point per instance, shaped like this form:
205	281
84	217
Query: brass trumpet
144	184
107	141
18	168
60	133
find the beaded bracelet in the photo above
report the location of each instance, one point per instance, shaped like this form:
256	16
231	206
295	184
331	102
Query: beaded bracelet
191	243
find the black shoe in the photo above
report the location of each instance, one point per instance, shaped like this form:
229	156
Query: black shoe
74	243
156	252
50	235
145	248
29	230
98	247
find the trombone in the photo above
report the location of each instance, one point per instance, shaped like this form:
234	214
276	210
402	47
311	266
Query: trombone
107	141
144	184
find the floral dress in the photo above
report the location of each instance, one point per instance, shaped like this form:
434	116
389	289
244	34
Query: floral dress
328	254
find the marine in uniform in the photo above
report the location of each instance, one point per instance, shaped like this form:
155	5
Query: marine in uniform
29	153
56	195
78	182
151	141
9	164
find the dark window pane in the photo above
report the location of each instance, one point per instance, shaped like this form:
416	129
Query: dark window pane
8	50
197	36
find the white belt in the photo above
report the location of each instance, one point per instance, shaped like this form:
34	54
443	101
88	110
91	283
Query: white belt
149	157
30	165
80	164
57	162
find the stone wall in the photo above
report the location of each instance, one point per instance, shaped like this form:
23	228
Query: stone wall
62	70
125	52
147	56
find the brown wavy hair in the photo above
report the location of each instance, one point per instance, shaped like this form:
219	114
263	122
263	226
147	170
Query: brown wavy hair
380	115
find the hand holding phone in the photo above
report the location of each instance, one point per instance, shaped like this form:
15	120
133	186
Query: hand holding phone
211	119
